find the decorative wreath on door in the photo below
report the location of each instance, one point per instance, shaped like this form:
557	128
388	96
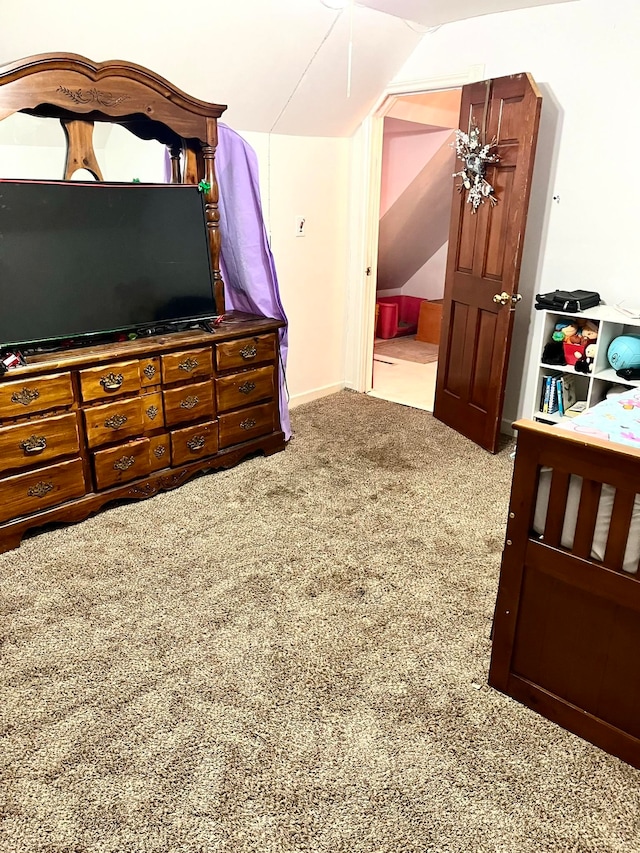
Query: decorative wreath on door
476	157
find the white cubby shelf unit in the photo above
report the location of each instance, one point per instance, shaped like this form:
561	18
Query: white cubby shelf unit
590	387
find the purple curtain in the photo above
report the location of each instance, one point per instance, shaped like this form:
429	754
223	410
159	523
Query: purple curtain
246	262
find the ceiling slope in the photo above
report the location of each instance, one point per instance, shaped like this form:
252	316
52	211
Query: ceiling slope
437	12
282	66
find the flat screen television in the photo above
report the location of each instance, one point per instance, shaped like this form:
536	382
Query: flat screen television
84	259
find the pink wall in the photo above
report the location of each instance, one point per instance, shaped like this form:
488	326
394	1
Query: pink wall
406	148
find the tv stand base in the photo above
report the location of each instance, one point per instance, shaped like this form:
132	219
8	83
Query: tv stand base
125	421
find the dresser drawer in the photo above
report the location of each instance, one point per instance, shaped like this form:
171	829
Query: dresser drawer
240	389
30	493
159	452
150	372
38	394
194	442
188	403
231	355
152	410
113	421
98	383
122	463
236	427
190	364
38	441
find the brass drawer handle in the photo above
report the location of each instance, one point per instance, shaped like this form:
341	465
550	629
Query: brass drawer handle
40	489
149	371
34	444
247	387
249	423
112	381
124	463
159	451
188	365
248	352
189	402
116	421
152	412
196	443
25	397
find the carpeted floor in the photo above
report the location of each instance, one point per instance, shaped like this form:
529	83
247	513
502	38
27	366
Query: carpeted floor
289	657
407	348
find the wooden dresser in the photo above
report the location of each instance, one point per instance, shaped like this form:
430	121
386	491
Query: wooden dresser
84	427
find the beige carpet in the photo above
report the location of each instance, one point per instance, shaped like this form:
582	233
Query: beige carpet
289	656
407	348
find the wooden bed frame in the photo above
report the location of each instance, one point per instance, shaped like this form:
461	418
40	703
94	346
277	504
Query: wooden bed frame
566	636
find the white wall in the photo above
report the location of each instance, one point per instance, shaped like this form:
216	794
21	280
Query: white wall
584	57
307	176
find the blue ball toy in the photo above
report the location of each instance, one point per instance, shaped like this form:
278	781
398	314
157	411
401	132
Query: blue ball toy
624	351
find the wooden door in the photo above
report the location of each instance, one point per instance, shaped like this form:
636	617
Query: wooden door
485	251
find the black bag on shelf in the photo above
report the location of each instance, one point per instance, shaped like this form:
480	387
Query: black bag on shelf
572	301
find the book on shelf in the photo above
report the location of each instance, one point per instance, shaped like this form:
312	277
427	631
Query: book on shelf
549	394
560	395
577	409
569	393
553	395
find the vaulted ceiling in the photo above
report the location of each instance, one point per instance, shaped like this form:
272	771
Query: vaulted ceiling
282	66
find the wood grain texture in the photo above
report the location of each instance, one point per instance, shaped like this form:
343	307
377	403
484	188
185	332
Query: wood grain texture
567	625
484	257
242	389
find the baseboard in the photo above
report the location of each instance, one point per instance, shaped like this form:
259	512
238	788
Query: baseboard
316	394
506	427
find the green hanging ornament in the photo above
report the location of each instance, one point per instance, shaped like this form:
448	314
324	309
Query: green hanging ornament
204	186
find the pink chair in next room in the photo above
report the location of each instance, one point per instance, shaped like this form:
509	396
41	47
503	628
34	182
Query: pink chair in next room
397	315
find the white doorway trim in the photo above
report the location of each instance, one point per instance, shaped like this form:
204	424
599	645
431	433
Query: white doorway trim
365	191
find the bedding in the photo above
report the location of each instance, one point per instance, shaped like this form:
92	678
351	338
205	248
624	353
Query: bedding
616	419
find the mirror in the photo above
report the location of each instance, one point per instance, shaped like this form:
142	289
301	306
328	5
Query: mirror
35	147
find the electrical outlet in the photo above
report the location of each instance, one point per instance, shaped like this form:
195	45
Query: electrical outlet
300	226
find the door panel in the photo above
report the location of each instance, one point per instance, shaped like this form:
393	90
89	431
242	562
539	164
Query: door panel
485	252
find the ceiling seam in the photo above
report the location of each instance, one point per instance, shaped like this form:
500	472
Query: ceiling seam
304	73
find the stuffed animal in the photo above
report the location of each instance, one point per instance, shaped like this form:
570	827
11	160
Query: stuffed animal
569	331
585	364
573	353
553	353
572	333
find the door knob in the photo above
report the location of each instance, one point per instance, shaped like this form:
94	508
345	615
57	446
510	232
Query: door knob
504	297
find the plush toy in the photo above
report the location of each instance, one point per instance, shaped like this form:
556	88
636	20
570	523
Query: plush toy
585	364
569	331
589	331
553	353
573	353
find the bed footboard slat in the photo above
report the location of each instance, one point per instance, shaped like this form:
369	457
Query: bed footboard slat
556	507
587	515
619	529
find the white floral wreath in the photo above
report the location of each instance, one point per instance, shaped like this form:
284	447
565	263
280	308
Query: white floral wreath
475	157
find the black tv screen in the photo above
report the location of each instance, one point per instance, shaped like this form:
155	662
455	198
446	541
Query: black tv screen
82	259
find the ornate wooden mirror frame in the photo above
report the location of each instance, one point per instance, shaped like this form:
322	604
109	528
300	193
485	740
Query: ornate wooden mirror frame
80	92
